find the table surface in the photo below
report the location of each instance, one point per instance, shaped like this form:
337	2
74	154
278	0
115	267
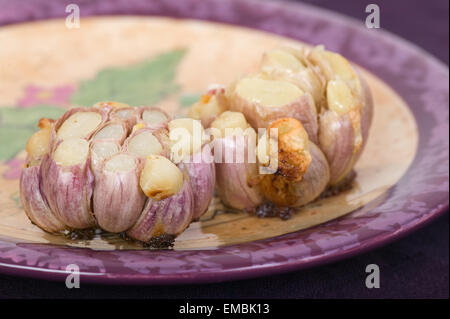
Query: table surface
416	266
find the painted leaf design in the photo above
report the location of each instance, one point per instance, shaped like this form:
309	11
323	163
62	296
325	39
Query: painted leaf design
145	83
17	125
186	100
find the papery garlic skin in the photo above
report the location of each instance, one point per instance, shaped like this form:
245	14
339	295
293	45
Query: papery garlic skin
169	216
202	175
336	139
34	203
117	199
236	181
346	119
68	191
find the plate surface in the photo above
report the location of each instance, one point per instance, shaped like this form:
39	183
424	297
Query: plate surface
402	180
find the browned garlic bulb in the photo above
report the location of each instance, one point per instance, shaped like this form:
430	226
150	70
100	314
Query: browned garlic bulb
323	109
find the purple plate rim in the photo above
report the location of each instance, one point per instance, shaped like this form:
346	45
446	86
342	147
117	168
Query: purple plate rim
409	69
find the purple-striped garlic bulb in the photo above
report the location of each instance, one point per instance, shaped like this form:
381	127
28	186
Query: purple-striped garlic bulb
110	167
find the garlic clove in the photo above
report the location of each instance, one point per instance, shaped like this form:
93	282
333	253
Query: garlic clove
235	174
38	144
128	115
230	123
67	183
285	64
112	131
100	151
202	176
186	137
293	148
78	123
117	197
154	117
169	216
263	101
210	105
147	141
160	178
34	203
283	192
337	141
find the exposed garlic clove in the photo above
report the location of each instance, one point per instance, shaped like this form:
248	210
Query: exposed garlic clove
100	151
38	144
160	178
67	183
186	137
285	64
154	117
129	115
34	203
117	199
169	216
210	105
263	101
230	124
202	175
116	131
147	141
284	192
78	123
237	171
334	66
345	121
293	148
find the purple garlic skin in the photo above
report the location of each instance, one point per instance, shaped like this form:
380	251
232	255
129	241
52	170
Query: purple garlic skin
68	191
169	216
235	181
367	112
337	142
202	176
337	137
117	199
34	204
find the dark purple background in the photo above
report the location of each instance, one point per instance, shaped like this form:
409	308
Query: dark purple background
416	266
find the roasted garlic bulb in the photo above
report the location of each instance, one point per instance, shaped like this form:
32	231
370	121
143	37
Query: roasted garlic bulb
110	167
322	109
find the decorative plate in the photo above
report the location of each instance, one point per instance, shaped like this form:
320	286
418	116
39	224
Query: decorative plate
402	177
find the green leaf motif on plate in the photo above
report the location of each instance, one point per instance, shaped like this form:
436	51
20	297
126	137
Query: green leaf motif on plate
186	100
17	125
145	83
